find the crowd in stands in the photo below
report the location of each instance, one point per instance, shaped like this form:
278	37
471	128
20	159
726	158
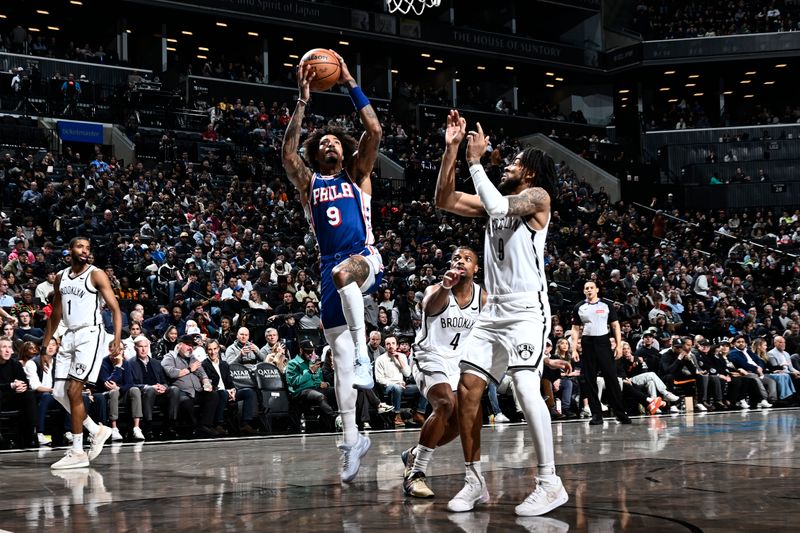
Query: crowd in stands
214	265
683	19
688	114
22	41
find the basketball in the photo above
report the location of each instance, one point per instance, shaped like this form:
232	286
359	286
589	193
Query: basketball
325	65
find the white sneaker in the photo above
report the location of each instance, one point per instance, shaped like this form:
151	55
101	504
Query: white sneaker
586	412
44	440
363	373
743	404
337	423
670	397
674	409
68	437
500	418
474	491
351	457
700	407
542	524
384	408
603	407
71	459
138	434
543	499
764	404
98	440
116	435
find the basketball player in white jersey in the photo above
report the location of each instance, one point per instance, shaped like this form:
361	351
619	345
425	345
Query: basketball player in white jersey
449	309
511	331
79	294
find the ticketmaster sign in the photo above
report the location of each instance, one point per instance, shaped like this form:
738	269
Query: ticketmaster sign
81	132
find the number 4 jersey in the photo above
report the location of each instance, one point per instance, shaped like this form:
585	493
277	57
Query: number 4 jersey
441	334
340	214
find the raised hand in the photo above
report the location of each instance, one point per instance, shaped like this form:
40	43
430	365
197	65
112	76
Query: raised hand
450	279
477	143
344	75
305	74
456	128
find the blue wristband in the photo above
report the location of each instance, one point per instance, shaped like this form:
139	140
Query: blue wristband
358	97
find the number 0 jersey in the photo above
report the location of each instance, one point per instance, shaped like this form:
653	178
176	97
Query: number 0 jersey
441	334
514	256
81	302
339	213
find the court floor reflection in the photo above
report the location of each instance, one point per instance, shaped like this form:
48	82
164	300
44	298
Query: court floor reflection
718	472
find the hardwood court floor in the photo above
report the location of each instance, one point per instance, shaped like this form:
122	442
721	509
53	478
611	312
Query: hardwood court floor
718	472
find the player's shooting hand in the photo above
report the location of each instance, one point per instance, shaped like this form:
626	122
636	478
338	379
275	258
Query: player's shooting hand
344	76
305	74
456	128
477	143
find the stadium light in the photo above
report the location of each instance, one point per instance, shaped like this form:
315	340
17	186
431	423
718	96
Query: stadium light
664	89
222	25
344	43
550	85
288	65
294	56
34	30
509	67
781	65
252	34
691	85
171	40
751	73
289	39
423	54
431	68
3	17
698	94
749	95
171	49
669	72
395	71
54	28
201	56
481	67
769	83
42	12
672	100
187	32
550	74
439	61
76	2
728	92
624	91
202	48
745	82
559	79
694	76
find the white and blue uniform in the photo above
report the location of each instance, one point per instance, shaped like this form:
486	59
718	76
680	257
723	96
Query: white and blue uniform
84	344
340	215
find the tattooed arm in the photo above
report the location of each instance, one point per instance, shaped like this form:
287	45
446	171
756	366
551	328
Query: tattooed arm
361	167
296	170
529	202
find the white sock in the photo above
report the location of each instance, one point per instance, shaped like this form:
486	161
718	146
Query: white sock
422	454
90	425
346	395
537	416
353	309
77	442
473	470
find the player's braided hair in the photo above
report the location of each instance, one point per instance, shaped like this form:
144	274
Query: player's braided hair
311	145
543	165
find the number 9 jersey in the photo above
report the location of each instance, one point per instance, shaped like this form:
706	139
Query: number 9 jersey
339	213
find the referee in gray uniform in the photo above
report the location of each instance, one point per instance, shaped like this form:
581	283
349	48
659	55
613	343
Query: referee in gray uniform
597	318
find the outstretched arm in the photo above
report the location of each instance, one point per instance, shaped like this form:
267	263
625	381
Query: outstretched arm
296	170
367	153
446	196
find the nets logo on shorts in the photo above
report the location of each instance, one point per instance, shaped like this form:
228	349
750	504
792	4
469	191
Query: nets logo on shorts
525	351
80	368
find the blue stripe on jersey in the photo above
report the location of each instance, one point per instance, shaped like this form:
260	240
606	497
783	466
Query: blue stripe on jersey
339	214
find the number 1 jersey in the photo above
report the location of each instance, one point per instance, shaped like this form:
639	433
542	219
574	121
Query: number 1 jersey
340	214
80	299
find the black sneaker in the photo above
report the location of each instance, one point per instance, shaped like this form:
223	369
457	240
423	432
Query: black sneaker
596	421
623	418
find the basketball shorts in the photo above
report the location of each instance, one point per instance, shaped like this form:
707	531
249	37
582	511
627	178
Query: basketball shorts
330	303
430	370
510	334
81	354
